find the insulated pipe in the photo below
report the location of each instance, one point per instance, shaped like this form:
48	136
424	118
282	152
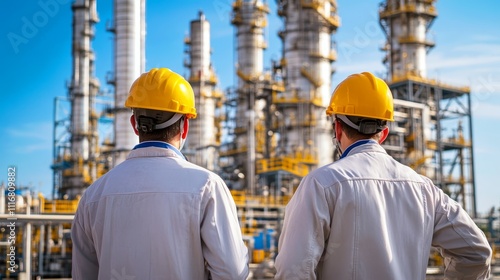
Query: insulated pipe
40	218
27	240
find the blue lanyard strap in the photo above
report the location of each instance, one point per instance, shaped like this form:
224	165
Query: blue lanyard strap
159	145
356	144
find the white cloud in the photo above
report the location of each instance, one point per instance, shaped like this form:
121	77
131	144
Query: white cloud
484	48
485	110
34	147
373	66
463	62
474	65
473	54
33	130
33	136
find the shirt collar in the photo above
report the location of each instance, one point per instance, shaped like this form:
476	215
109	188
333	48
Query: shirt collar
159	144
356	144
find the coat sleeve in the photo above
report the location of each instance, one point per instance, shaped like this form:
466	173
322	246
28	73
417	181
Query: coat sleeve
305	230
223	248
84	262
466	251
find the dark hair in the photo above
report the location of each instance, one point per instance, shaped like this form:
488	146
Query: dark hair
163	134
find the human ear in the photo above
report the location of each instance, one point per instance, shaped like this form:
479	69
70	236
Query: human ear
383	135
185	129
134	125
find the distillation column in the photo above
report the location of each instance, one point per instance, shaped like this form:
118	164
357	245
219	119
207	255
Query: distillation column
130	30
249	19
423	108
406	24
308	54
94	86
204	134
83	88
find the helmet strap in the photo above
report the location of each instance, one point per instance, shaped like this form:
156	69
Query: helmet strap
366	126
170	122
335	140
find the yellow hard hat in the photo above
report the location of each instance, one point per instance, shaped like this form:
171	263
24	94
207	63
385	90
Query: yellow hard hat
362	95
163	90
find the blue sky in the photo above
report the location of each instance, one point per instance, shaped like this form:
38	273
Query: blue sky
37	66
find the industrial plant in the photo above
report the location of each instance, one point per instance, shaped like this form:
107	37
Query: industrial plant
262	135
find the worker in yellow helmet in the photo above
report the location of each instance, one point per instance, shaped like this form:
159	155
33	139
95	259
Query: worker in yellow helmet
367	216
156	215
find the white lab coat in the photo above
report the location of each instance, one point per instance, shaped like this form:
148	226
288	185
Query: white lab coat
366	216
157	216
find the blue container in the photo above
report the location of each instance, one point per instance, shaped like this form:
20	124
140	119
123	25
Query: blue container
259	241
270	238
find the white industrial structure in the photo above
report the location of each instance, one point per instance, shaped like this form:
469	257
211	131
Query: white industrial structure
81	161
278	125
129	27
204	131
425	107
308	53
249	19
82	92
407	23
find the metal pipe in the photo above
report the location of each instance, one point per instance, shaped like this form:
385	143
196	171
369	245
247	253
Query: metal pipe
63	248
39	218
41	248
49	236
27	240
2	198
440	168
251	144
472	169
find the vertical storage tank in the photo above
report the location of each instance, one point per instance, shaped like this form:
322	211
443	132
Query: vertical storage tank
204	132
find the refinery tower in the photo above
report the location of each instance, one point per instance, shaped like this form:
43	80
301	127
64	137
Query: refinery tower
432	132
275	119
266	132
